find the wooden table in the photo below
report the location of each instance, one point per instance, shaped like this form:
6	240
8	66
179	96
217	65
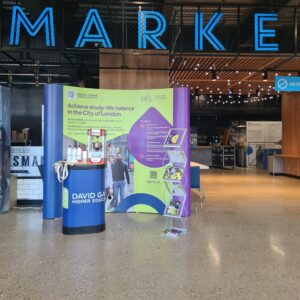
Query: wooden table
201	167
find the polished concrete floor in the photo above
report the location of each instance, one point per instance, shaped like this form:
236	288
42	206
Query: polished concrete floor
245	244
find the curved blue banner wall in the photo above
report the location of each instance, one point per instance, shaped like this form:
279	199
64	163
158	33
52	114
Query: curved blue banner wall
53	139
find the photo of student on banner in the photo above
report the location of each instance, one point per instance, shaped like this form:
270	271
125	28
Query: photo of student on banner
119	173
109	179
121	162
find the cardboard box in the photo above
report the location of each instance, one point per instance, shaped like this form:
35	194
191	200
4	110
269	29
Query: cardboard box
13	192
20	136
14	135
26	132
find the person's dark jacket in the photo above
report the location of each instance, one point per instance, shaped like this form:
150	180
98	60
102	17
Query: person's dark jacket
118	171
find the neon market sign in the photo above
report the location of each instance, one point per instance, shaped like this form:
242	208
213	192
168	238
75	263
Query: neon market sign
146	37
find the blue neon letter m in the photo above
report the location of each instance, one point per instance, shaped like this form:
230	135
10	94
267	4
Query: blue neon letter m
19	18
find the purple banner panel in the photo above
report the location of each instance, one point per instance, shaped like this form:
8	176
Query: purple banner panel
181	119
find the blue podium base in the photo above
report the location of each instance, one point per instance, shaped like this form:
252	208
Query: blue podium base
83	230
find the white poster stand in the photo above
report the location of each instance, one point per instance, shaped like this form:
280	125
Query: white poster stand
261	135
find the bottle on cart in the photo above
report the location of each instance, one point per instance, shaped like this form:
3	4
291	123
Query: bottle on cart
79	154
69	154
74	154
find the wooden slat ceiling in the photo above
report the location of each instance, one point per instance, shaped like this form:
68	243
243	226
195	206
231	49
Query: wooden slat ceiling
237	74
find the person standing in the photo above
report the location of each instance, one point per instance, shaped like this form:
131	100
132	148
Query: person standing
119	172
108	177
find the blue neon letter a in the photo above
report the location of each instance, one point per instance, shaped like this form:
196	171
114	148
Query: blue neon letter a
201	31
93	18
145	35
19	18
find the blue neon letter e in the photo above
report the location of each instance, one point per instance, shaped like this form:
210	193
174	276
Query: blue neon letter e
261	33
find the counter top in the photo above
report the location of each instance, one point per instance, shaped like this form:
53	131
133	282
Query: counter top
201	147
201	166
287	156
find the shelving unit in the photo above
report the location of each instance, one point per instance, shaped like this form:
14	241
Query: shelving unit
21	142
223	157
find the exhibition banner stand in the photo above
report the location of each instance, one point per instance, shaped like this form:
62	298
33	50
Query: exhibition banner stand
5	142
147	145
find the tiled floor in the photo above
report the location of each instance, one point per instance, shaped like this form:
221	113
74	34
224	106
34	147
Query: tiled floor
245	244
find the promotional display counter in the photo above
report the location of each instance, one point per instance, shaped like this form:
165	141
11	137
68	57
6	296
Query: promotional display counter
84	199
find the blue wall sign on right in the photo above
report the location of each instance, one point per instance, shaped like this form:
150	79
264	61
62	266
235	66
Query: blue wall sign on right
287	84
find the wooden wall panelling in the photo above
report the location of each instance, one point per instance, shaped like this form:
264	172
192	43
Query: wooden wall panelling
133	79
291	133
